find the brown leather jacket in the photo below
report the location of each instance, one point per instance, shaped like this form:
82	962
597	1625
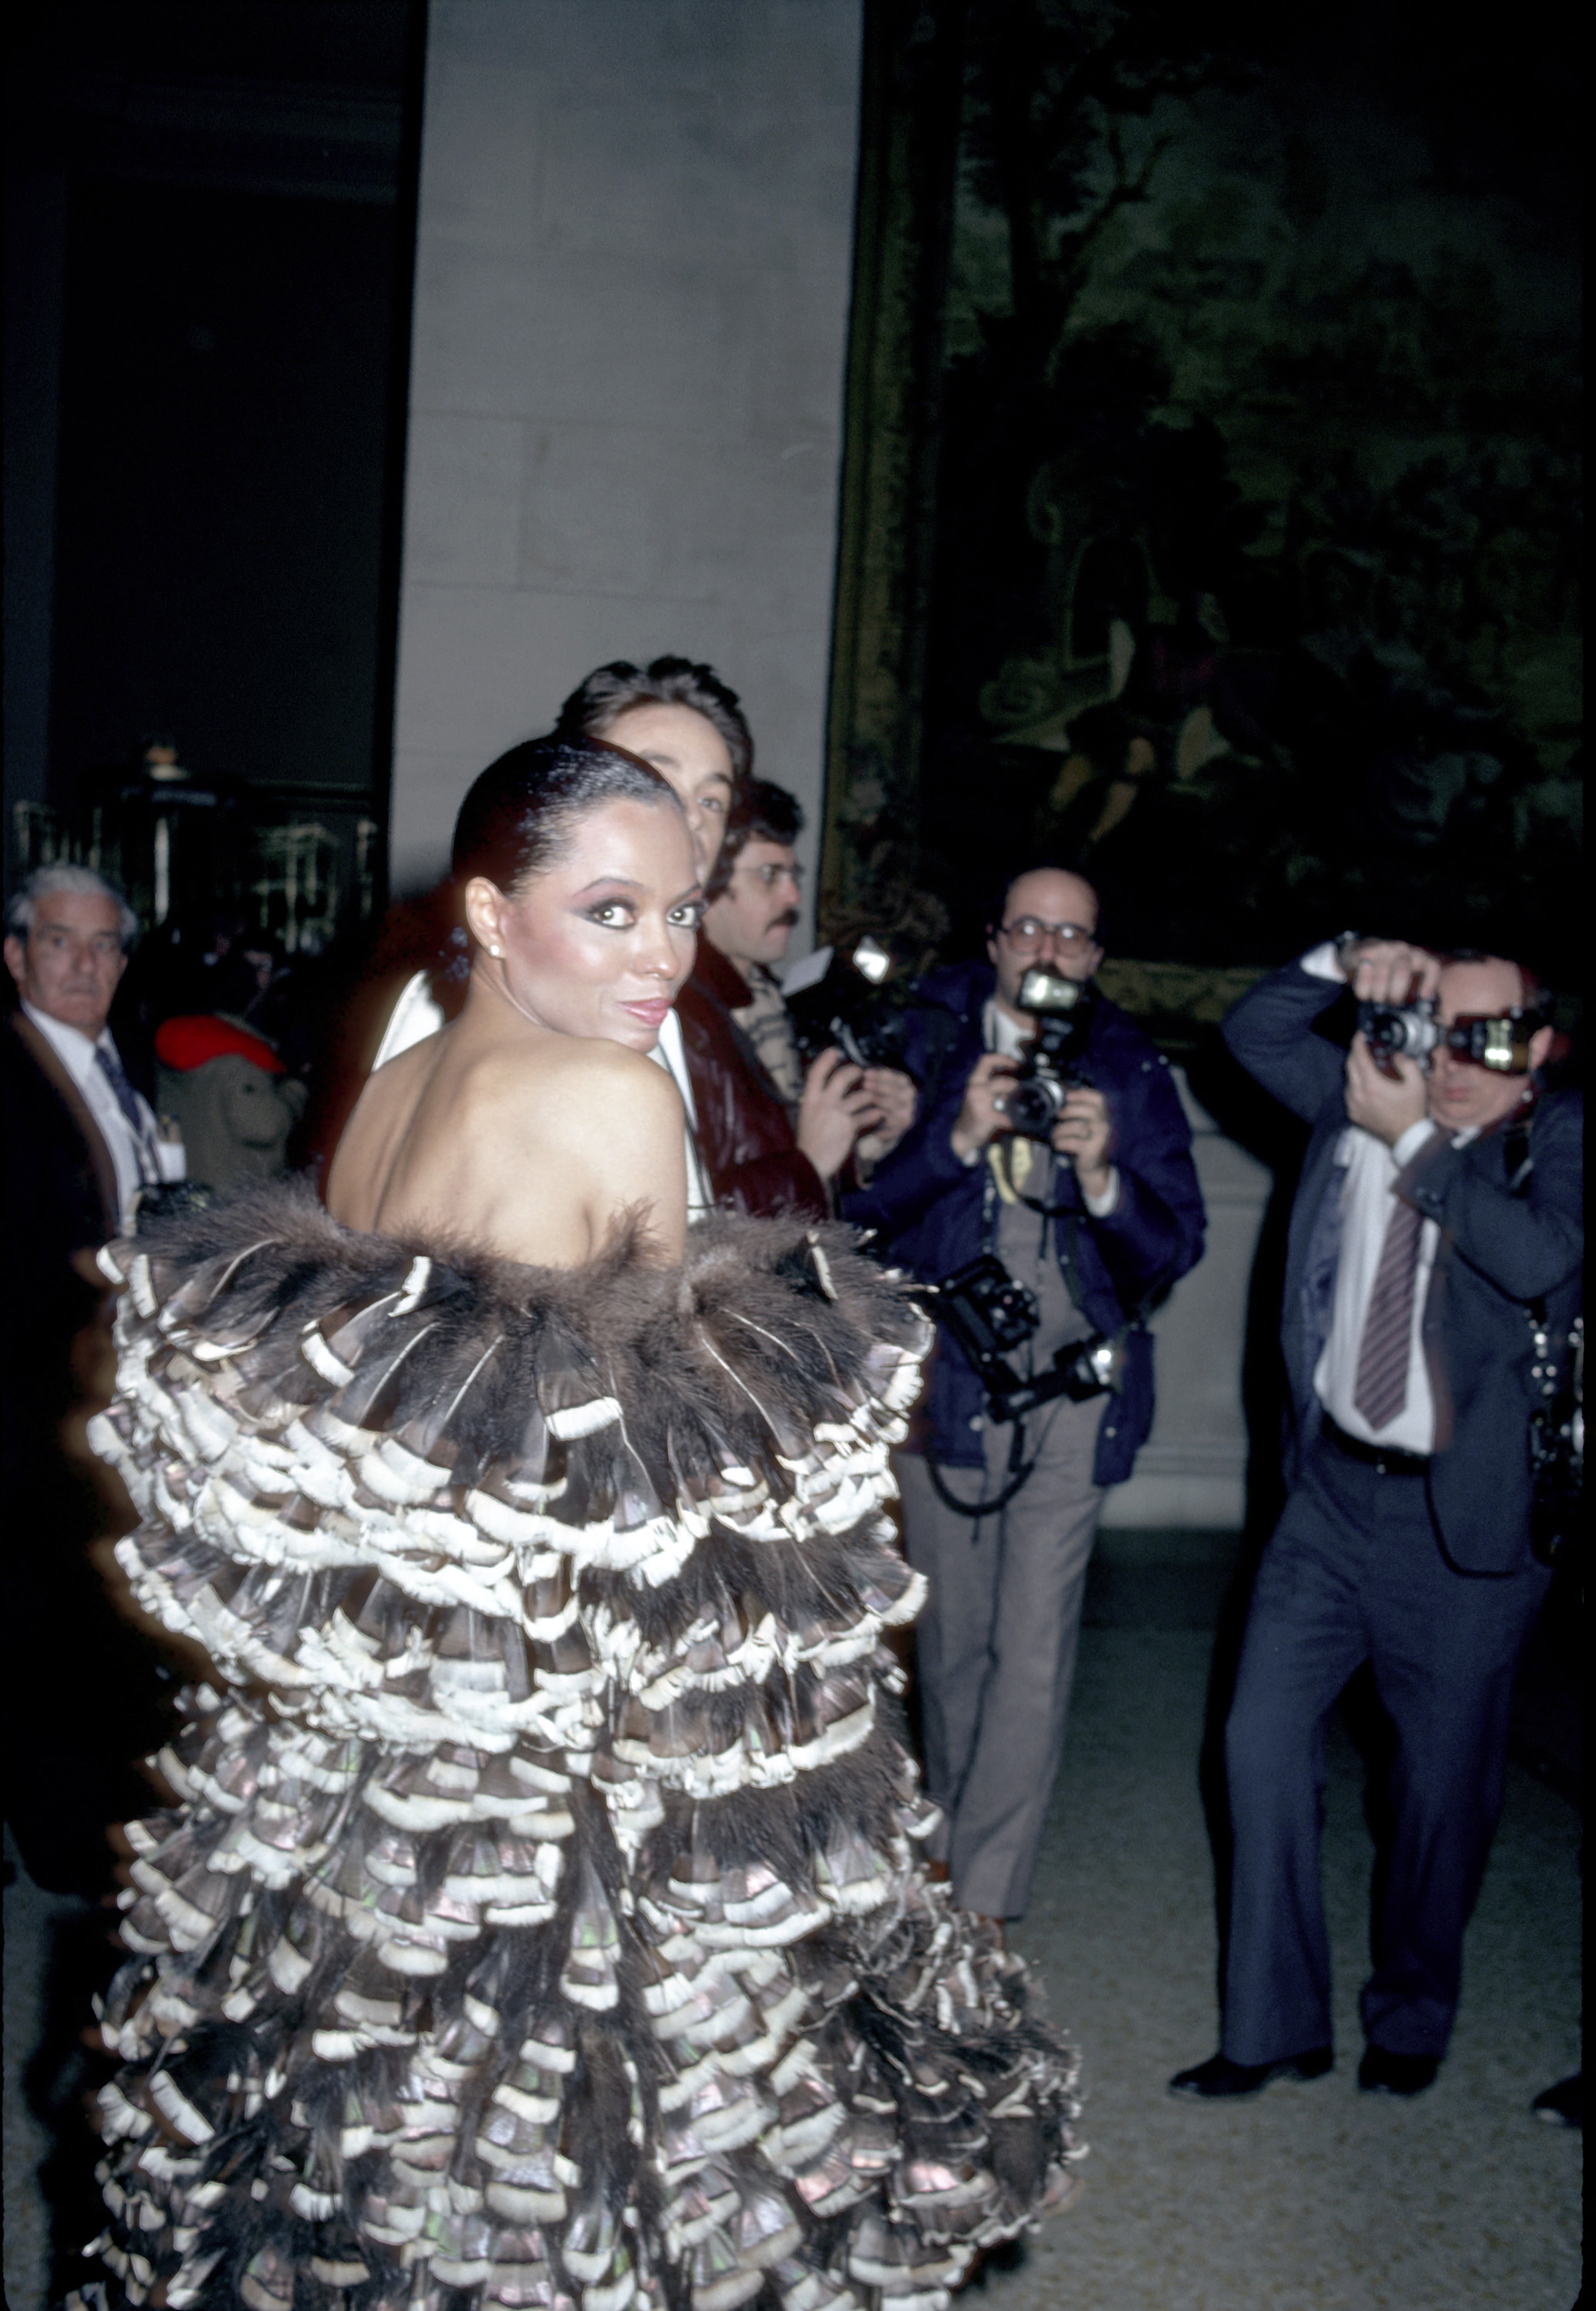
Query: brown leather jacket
745	1128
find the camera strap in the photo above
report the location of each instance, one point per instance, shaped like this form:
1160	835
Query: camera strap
1016	1478
1067	1238
1003	1162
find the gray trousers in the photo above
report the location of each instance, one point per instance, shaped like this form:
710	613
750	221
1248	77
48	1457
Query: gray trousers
996	1646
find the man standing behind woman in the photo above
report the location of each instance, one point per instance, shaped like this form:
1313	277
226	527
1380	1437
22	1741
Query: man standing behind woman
770	1143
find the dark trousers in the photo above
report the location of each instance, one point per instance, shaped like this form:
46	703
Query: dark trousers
1355	1572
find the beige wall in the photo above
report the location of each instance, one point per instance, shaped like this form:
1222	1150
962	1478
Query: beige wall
1193	1469
632	292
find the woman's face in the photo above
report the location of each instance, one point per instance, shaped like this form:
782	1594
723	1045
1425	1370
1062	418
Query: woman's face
599	944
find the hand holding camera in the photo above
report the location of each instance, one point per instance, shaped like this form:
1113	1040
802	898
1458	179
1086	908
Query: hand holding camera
983	1116
1391	972
835	1108
1422	1048
1081	1134
892	1095
1386	1092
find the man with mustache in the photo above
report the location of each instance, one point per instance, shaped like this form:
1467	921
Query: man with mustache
753	911
758	1102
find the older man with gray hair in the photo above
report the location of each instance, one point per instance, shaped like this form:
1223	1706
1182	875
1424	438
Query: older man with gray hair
81	1692
68	933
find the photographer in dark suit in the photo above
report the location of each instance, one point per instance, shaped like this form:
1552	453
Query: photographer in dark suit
1438	1220
1052	1148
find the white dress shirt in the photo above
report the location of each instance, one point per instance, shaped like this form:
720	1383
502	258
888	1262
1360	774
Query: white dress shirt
138	1163
1369	1172
1368	1183
418	1015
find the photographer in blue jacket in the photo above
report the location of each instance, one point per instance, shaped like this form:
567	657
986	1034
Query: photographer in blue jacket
1046	1191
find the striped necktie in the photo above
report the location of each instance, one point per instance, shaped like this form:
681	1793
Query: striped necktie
110	1068
1383	1358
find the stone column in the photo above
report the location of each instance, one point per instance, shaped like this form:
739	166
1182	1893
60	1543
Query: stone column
1191	1472
625	412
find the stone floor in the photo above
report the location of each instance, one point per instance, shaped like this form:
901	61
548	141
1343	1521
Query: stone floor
1308	2199
1310	2196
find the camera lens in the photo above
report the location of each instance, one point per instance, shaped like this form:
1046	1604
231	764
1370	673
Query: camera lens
1406	1029
1033	1106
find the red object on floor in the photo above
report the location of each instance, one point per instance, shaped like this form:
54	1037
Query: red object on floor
185	1043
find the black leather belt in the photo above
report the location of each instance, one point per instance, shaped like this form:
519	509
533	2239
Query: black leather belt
1383	1456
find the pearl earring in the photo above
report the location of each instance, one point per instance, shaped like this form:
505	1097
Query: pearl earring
496	950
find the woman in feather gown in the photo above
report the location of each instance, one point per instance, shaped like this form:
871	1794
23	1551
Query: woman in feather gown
540	1921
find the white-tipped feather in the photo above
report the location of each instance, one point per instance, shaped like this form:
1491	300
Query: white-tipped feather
440	1684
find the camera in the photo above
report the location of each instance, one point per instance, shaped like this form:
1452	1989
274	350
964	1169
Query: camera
864	1006
1502	1045
1407	1030
989	1312
1063	1010
1411	1030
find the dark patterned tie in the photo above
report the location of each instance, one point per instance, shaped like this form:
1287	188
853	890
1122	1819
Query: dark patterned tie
1382	1389
110	1068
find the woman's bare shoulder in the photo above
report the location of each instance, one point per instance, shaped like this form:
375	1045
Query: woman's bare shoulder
574	1077
576	1064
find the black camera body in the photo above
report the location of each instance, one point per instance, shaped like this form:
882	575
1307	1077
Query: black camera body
1052	1066
868	1014
1412	1031
1405	1031
1501	1045
988	1312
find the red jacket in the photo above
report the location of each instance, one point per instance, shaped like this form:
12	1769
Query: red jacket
744	1131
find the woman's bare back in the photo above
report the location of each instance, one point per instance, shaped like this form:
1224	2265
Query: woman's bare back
535	1145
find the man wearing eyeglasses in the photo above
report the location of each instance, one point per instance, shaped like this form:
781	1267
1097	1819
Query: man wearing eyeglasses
1433	1272
772	1139
1096	1220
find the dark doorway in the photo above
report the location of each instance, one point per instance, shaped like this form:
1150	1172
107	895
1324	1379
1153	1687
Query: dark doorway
225	419
209	248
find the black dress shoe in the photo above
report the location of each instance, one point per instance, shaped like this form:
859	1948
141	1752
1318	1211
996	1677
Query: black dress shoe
1219	2080
1384	2072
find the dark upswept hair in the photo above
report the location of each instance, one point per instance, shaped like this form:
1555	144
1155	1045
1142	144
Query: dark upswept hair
763	812
519	814
613	690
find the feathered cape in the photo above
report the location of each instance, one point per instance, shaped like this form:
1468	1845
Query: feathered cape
540	1925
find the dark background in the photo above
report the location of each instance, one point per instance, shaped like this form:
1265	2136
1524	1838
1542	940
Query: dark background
209	242
1251	329
1255	330
219	565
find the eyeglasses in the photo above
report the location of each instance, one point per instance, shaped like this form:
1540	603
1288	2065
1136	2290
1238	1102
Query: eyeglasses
772	874
1026	934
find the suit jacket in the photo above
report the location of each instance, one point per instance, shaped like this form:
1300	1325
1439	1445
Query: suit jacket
933	1214
1506	1243
61	1198
745	1131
